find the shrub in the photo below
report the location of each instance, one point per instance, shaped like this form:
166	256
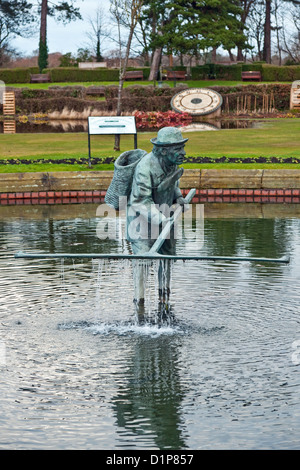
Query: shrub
219	71
270	73
43	55
130	104
256	93
255	66
273	73
73	92
18	75
73	74
144	98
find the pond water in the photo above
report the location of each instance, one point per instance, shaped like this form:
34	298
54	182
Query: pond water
79	372
62	126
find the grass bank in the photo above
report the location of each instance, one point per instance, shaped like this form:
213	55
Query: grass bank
190	83
272	138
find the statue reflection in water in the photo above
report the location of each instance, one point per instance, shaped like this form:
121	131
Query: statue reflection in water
153	195
148	404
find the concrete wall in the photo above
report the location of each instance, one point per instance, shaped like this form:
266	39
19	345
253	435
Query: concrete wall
199	179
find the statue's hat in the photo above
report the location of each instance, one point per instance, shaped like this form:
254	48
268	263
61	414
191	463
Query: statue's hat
168	136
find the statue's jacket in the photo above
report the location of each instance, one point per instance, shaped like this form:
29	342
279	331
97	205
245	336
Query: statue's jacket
148	206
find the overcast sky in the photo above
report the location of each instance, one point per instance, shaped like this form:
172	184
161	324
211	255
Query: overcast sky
66	38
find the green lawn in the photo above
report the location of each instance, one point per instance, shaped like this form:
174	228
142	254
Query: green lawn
190	83
278	137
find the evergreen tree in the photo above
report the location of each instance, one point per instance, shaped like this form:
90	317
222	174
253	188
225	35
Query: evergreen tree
195	25
16	19
43	48
63	11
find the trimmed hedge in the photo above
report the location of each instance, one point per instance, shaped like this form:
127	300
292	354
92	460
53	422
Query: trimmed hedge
72	92
19	75
202	72
221	72
270	73
74	74
281	74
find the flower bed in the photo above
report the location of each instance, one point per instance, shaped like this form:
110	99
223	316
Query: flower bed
112	159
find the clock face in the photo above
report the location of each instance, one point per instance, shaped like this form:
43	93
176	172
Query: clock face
197	101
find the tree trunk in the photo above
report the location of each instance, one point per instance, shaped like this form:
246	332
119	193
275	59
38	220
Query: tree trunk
43	28
43	49
214	55
121	83
98	52
155	64
267	32
231	57
240	56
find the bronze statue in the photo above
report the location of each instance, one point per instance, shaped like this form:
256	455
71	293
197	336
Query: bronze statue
152	188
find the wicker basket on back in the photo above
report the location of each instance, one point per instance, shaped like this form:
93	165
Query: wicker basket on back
121	183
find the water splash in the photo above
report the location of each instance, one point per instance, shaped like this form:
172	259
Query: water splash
124	328
135	292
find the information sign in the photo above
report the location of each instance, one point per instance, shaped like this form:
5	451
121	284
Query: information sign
295	95
111	125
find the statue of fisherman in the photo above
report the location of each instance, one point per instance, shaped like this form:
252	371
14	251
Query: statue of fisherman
153	190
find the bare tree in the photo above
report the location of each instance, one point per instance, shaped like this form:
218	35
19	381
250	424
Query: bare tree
267	56
277	28
255	24
247	6
98	32
126	13
290	37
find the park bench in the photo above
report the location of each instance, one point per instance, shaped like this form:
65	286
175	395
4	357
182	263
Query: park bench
134	75
251	75
176	75
40	78
96	90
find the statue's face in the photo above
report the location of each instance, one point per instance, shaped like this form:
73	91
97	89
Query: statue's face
176	154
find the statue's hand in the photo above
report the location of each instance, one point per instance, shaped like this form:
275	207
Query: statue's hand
182	202
170	180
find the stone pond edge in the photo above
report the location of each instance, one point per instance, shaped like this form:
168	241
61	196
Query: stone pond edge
212	185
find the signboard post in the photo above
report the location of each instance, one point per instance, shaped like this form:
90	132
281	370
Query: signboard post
111	125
